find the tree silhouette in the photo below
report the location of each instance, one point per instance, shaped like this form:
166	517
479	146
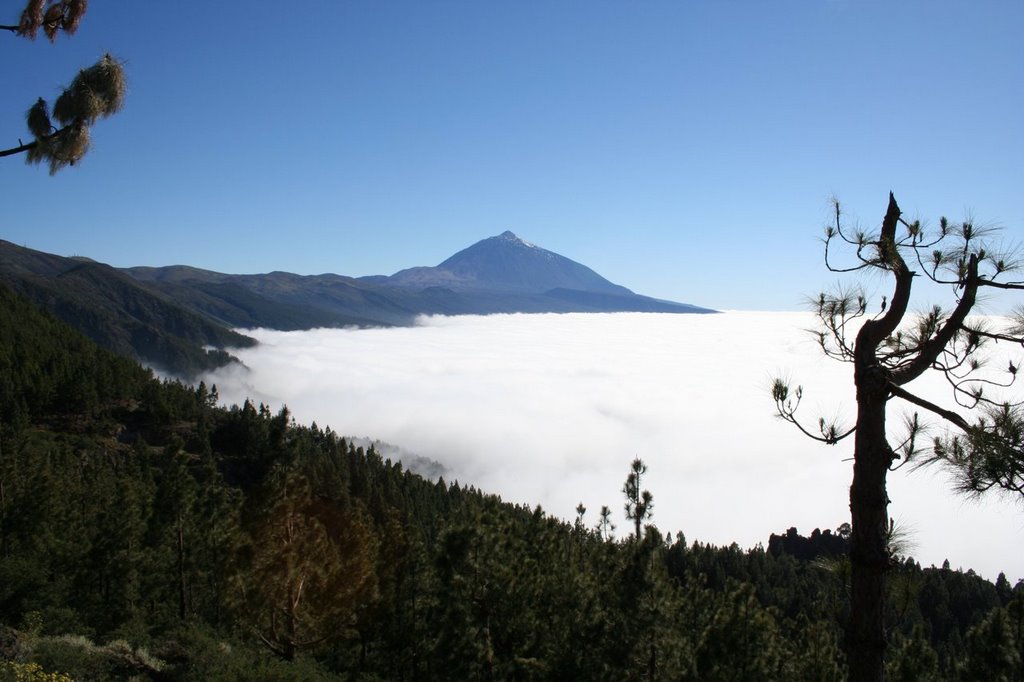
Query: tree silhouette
639	503
888	351
605	527
96	92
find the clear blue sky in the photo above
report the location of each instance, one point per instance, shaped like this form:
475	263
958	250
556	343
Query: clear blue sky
683	148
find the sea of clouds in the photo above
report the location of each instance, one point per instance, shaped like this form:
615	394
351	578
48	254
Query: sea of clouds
551	410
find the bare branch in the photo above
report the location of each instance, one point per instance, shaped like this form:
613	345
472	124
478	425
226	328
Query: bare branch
21	148
999	337
951	417
786	407
1012	286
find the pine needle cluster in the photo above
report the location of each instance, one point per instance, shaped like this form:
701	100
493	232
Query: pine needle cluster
61	136
63	15
96	92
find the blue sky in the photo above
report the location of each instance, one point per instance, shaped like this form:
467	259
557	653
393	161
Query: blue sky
685	149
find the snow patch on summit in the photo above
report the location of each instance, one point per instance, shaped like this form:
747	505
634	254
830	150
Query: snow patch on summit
510	236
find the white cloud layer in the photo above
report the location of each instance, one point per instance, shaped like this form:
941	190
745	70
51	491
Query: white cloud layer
551	409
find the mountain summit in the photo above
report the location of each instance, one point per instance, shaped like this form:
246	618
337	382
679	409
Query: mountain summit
501	274
506	263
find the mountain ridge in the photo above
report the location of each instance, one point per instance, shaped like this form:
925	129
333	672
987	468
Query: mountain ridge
171	316
118	312
499	274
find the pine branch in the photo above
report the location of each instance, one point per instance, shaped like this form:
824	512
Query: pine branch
1012	286
20	148
948	415
35	143
933	348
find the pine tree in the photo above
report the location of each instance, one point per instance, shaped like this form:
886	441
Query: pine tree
309	571
995	649
887	354
96	92
639	503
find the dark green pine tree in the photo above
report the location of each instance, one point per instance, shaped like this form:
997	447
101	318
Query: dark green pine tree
817	656
639	503
742	641
995	647
309	570
912	659
172	521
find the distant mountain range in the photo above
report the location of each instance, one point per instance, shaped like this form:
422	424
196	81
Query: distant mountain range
502	274
171	316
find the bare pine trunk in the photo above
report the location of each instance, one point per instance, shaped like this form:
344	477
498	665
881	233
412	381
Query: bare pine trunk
869	556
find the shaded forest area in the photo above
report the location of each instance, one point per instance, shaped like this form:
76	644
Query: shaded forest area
145	531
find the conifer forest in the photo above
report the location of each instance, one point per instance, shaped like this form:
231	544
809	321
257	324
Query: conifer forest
146	533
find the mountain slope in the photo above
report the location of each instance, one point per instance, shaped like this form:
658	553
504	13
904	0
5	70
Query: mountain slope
507	263
118	312
280	300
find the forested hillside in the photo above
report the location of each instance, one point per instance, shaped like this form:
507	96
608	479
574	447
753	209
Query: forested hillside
117	312
146	531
